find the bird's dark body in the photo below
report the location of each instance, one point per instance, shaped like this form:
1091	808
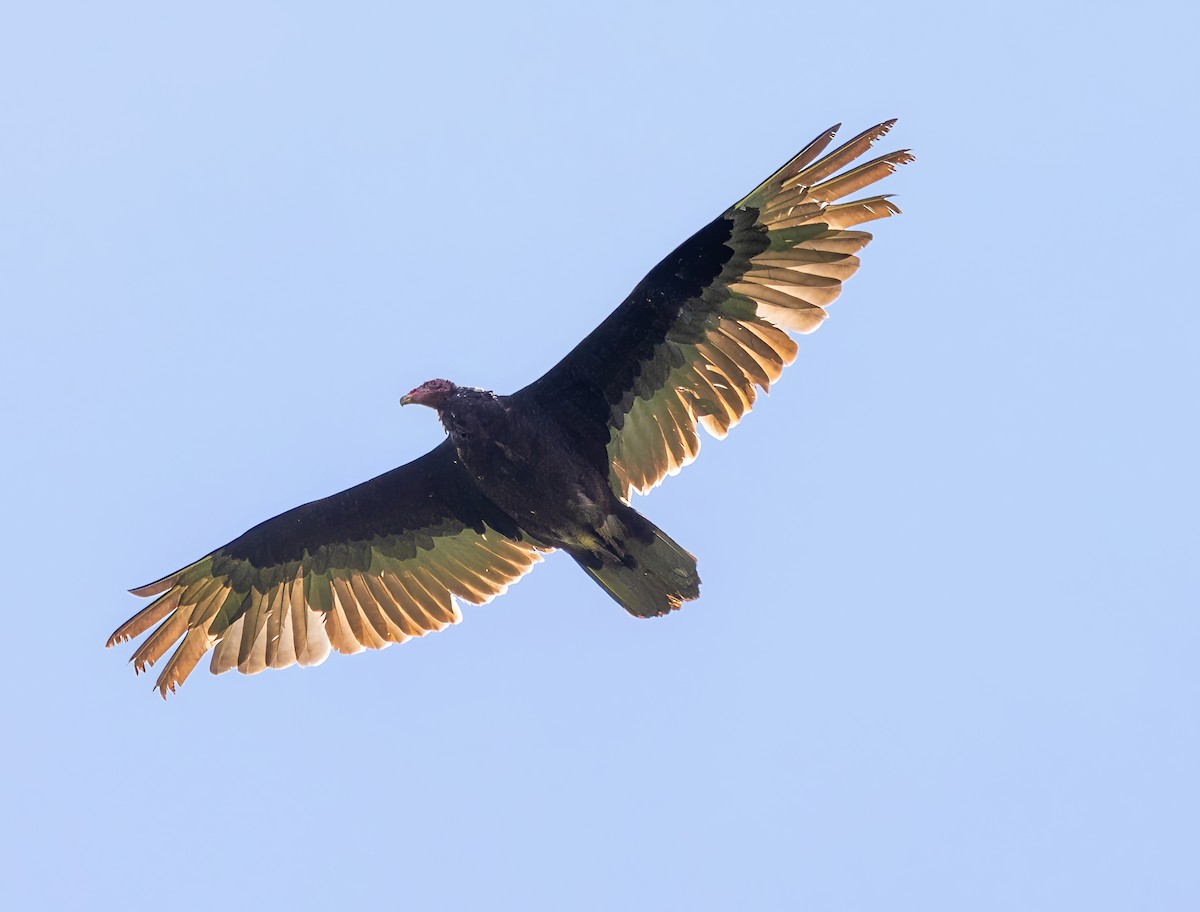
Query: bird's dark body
522	457
531	467
552	466
524	462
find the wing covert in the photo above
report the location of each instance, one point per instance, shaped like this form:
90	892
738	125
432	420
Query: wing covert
377	564
708	326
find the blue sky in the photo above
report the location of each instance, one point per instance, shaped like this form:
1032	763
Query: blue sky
945	653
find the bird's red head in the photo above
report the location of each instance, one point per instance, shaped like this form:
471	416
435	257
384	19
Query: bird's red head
431	393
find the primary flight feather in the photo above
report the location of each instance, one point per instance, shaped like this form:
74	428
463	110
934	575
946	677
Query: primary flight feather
549	467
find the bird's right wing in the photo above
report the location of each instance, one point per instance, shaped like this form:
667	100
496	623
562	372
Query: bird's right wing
374	565
708	326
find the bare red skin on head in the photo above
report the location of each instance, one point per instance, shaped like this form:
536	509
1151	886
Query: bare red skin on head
431	393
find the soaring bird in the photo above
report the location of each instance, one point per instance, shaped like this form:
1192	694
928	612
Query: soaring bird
550	467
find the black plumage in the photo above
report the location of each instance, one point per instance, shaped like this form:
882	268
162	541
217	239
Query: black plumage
549	467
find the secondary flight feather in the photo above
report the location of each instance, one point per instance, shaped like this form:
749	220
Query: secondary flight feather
550	467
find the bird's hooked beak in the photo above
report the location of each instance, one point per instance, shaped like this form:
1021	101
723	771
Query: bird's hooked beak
406	399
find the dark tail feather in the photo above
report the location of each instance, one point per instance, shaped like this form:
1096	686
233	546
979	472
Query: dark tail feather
653	575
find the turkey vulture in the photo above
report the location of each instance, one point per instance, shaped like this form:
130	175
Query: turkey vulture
549	467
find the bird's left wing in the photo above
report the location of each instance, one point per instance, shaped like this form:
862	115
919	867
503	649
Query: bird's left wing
709	324
374	565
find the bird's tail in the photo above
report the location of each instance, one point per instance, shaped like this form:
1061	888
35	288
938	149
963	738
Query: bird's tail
644	570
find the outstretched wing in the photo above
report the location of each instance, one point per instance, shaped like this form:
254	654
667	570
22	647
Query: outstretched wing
708	326
374	565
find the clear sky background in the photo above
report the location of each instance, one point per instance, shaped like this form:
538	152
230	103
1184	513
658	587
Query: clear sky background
946	653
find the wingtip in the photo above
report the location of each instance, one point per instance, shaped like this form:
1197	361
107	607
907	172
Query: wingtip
880	130
883	128
193	572
157	587
873	134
